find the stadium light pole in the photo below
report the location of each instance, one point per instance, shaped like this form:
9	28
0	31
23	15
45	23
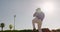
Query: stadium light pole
14	21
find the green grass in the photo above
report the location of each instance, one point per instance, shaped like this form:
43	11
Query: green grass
17	31
29	30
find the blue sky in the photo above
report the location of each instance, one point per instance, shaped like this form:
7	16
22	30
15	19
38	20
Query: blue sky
24	9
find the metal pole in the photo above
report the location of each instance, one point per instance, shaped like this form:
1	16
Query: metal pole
14	21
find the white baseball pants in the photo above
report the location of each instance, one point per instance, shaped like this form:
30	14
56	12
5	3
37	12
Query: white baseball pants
39	22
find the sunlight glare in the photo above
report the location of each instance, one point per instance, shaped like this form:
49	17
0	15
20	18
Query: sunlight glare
48	7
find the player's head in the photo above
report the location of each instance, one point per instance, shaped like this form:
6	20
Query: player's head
38	10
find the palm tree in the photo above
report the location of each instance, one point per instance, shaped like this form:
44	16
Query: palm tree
2	25
10	26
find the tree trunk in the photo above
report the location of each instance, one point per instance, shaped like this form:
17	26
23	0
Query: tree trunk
2	29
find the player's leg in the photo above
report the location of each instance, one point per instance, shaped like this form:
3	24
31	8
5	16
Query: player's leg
33	23
39	25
